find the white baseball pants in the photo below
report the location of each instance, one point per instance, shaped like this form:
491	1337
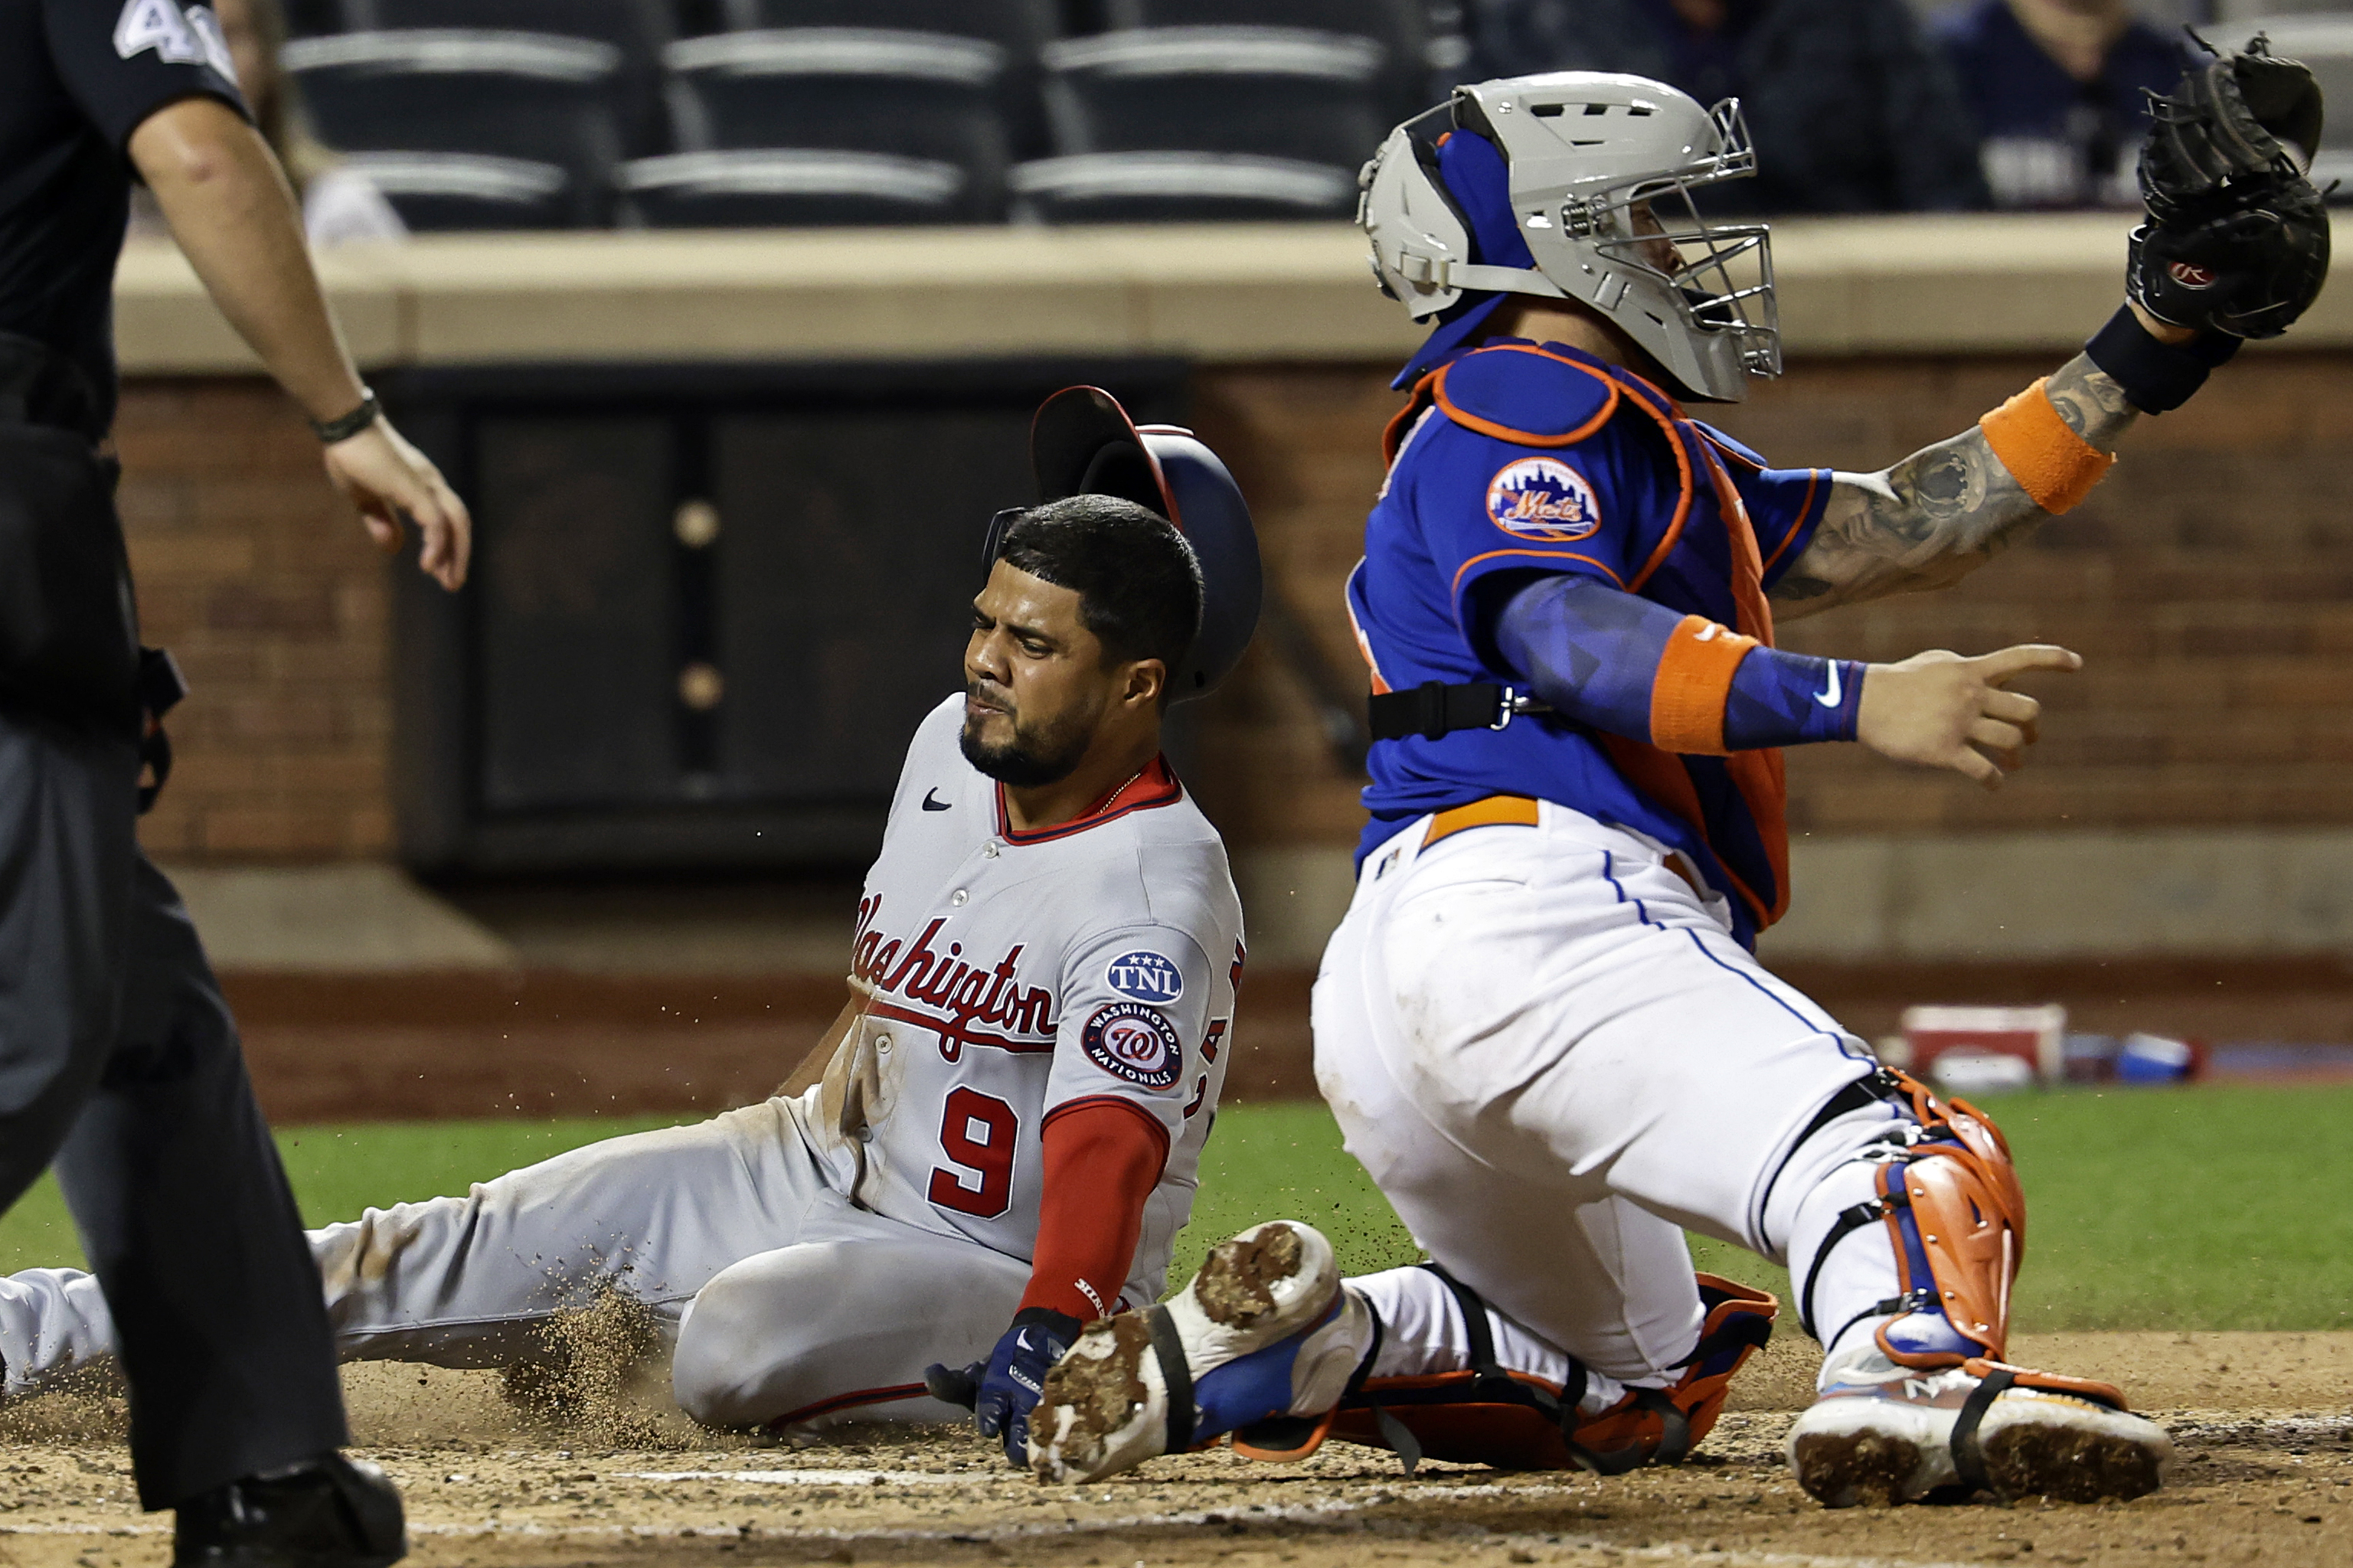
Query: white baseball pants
783	1302
1548	1051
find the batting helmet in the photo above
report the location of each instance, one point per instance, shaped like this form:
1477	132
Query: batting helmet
1576	186
1082	442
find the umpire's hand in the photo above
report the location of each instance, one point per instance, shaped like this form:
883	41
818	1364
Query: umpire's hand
386	478
1006	1388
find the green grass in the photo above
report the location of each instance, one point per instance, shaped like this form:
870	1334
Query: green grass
2207	1208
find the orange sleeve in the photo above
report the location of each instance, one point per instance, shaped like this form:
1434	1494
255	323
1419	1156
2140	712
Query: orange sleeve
1694	677
1103	1157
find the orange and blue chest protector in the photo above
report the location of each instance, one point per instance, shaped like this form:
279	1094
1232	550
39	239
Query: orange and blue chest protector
1518	460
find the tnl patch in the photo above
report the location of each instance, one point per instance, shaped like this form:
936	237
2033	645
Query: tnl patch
1542	498
1146	976
1131	1041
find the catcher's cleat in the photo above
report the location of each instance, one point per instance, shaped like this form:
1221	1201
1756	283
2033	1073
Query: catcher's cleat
331	1512
1881	1434
1264	1329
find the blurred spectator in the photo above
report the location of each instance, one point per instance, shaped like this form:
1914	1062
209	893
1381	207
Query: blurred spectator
2056	87
339	204
1852	110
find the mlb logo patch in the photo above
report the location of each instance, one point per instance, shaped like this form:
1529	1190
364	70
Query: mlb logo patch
1542	498
1131	1041
1146	976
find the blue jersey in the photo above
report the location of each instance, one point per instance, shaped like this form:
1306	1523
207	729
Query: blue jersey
1517	458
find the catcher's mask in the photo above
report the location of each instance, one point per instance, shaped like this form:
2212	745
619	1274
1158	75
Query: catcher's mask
1576	186
1082	442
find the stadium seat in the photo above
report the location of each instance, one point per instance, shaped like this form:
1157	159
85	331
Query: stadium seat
911	95
793	189
440	191
638	28
1178	187
1274	92
1023	26
1400	27
523	95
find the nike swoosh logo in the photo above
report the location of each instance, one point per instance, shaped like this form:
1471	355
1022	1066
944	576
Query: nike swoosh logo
1829	695
931	804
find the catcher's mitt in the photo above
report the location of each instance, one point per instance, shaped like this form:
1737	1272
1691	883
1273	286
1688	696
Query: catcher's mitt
2237	238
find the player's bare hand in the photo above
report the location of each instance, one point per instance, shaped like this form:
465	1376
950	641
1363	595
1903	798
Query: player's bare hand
1942	710
389	480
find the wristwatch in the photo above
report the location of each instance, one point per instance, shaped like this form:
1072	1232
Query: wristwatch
334	430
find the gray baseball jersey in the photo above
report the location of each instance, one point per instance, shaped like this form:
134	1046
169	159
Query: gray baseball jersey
1011	976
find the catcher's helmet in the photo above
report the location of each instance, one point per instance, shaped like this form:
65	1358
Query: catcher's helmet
1082	442
1565	185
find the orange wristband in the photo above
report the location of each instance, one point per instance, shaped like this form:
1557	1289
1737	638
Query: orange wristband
1694	677
2053	464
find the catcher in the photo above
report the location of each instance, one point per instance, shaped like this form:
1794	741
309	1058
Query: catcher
1542	1027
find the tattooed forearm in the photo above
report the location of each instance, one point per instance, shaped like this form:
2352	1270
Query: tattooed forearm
1940	514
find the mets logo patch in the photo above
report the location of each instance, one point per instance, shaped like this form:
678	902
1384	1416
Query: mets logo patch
1542	498
1131	1041
1146	976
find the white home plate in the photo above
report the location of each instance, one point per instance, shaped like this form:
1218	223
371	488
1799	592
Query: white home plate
806	1478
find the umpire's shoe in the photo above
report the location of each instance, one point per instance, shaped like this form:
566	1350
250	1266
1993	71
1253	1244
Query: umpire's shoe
330	1512
1883	1434
1263	1330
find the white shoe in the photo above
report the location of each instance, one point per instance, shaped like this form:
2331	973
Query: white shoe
1885	1434
1263	1330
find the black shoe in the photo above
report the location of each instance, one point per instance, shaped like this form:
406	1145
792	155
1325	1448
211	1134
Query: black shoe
332	1512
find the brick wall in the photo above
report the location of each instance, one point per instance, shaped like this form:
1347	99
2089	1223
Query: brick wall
256	576
2209	583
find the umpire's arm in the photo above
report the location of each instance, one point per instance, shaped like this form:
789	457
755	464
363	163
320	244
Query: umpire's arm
230	208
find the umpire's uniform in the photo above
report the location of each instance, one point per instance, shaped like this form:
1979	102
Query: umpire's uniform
118	1059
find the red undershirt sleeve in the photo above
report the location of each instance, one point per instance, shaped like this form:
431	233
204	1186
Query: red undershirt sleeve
1103	1158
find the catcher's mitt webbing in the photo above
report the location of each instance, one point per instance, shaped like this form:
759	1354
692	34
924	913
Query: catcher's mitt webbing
2053	464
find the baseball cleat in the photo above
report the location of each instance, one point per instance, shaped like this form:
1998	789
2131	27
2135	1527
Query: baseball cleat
1882	1433
1263	1330
332	1512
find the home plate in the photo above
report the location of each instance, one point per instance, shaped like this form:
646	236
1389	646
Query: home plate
806	1478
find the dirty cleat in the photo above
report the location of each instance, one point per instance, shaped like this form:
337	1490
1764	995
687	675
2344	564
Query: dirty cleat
1263	1330
1881	1434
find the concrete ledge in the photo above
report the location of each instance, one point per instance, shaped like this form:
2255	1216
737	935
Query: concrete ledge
1224	293
354	917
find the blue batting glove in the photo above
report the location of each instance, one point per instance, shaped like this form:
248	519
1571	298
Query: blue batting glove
1010	1389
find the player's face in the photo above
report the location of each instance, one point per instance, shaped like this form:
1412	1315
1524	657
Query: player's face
1035	681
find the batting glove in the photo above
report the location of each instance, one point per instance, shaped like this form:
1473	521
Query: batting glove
1008	1387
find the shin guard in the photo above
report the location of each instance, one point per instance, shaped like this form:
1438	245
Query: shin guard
1957	1218
1489	1414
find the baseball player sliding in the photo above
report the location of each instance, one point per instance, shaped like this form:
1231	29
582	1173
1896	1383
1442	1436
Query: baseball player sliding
1014	1101
1541	1025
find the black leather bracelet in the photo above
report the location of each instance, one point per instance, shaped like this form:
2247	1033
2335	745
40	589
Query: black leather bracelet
334	430
2158	377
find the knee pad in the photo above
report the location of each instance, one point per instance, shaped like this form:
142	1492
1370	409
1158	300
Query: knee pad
1956	1216
1511	1420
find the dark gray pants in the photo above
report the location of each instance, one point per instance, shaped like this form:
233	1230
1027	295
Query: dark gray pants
119	1061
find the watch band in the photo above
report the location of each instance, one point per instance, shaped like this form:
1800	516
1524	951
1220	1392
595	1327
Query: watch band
334	430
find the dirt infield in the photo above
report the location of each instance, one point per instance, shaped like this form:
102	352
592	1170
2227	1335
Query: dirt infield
2265	1475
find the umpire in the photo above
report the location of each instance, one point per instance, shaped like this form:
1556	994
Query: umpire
118	1058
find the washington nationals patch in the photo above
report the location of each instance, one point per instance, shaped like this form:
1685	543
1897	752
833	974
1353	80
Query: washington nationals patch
1131	1041
1542	498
